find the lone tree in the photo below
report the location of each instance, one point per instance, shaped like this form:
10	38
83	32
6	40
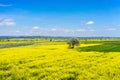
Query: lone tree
73	42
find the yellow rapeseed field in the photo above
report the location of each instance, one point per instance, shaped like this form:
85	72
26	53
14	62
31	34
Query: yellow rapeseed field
56	62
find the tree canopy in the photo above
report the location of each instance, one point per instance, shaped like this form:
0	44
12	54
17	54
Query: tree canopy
73	42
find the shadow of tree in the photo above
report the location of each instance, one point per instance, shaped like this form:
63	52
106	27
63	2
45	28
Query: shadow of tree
70	78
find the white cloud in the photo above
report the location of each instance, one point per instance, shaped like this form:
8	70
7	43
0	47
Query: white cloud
81	30
59	31
7	22
17	31
111	29
53	29
35	28
90	22
91	30
85	30
5	5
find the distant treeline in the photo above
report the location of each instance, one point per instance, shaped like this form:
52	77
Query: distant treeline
58	37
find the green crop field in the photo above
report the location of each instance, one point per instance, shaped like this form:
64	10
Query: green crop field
44	60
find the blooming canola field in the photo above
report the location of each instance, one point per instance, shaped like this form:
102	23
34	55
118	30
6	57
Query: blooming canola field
45	60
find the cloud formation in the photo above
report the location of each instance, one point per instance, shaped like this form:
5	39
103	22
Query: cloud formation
35	28
7	22
81	30
5	5
17	31
59	31
85	30
111	29
90	22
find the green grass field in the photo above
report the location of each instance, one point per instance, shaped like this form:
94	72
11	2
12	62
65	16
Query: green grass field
44	60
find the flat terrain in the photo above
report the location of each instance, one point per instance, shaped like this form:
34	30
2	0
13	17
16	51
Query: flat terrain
95	60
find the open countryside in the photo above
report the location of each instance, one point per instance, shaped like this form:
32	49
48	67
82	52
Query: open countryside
59	39
94	59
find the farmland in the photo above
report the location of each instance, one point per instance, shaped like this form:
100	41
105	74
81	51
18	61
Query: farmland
41	59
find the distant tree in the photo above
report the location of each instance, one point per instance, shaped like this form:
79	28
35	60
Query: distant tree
50	40
8	40
73	42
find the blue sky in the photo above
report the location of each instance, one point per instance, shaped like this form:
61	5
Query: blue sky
81	18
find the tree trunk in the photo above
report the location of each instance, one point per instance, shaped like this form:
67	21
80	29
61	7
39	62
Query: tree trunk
72	46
